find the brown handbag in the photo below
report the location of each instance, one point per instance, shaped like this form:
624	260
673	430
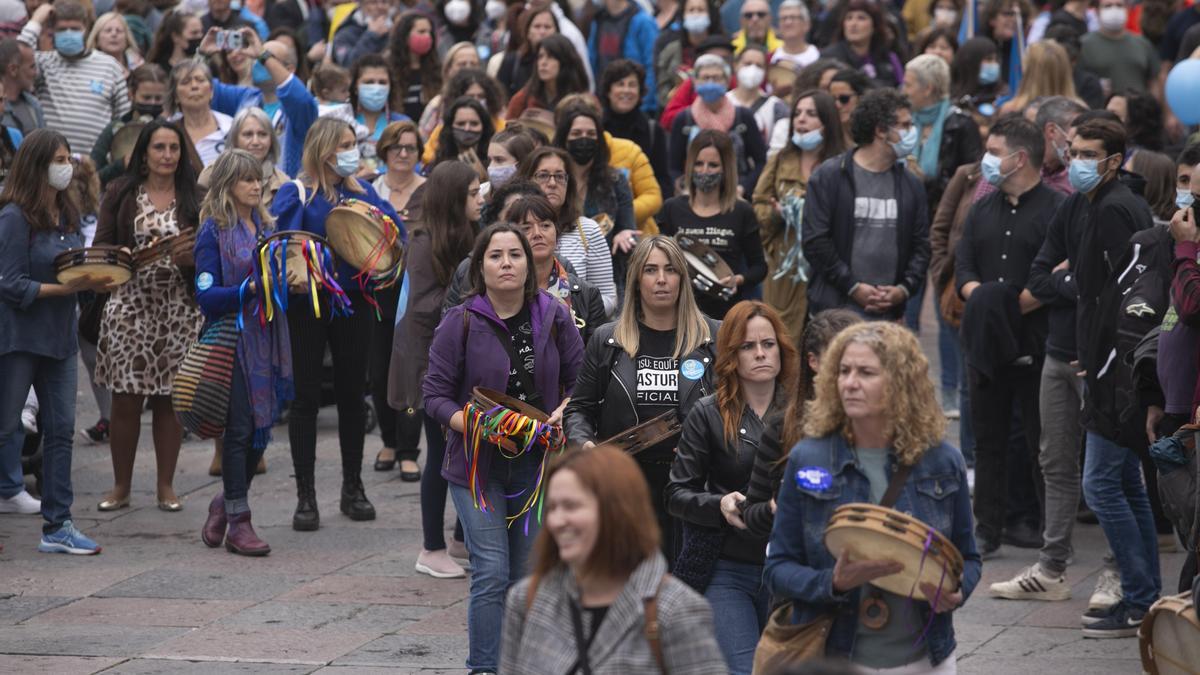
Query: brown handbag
951	305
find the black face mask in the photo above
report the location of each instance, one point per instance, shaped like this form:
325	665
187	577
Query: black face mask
192	46
582	150
148	109
466	139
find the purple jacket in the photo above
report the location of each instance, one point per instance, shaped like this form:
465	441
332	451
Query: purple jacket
466	354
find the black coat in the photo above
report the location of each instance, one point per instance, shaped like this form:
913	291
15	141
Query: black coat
961	145
602	404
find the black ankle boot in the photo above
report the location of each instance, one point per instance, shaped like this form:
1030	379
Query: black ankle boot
354	500
306	518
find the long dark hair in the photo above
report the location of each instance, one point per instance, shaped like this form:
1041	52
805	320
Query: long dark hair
572	78
444	216
601	177
29	187
447	145
462	81
430	69
881	31
819	332
163	45
187	201
478	287
834	141
568	213
518	39
964	70
372	61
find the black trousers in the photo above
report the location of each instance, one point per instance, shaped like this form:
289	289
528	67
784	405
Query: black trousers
349	341
399	430
991	415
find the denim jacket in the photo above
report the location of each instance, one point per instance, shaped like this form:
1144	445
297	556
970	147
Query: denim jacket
801	568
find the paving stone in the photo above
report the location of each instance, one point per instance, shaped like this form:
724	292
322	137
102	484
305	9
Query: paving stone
64	575
399	563
449	621
382	670
58	665
283	560
82	639
142	611
18	608
1019	641
381	590
334	616
255	643
181	667
1009	665
245	585
410	651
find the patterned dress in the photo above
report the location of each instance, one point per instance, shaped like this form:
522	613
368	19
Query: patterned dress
149	322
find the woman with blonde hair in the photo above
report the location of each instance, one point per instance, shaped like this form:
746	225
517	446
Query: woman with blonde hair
756	374
1047	72
875	427
655	358
111	35
234	221
596	571
330	162
251	131
189	105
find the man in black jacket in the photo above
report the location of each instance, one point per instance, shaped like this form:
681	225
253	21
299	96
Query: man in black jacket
1001	236
866	219
1112	478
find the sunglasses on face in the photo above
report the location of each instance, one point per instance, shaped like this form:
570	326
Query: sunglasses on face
843	99
754	15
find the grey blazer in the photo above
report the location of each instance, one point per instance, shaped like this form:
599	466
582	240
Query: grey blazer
542	640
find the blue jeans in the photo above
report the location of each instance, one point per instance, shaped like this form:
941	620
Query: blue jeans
498	552
54	381
739	600
238	456
1114	491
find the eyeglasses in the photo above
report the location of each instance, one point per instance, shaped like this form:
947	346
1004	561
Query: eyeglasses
788	18
754	15
844	99
404	149
545	177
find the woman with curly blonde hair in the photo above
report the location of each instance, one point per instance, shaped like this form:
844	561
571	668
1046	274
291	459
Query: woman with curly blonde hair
874	410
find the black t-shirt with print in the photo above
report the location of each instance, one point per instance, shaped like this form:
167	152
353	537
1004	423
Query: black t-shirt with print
520	331
657	382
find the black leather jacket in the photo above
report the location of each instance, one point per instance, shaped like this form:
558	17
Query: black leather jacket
602	404
586	302
707	467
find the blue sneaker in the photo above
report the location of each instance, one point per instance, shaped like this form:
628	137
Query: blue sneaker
68	540
1122	621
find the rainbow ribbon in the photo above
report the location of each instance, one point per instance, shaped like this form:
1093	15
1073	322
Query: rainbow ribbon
319	264
490	426
368	275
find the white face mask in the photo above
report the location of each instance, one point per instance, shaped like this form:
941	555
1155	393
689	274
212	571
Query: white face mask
495	9
945	17
457	11
1113	18
750	77
59	175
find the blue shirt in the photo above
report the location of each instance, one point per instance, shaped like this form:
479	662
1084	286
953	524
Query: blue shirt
290	214
41	326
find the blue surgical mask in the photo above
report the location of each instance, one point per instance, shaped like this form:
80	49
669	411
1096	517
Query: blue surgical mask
373	97
347	162
260	74
69	42
235	5
990	166
808	141
989	73
1084	175
696	23
710	92
1183	198
907	143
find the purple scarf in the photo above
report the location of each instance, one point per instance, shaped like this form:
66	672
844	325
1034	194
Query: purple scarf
263	351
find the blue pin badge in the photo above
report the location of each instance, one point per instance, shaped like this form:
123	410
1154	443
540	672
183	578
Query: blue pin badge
204	281
813	478
692	369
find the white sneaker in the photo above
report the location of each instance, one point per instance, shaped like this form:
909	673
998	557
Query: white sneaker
1108	590
1033	583
29	420
22	503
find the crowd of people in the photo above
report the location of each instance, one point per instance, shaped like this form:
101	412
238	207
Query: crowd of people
733	214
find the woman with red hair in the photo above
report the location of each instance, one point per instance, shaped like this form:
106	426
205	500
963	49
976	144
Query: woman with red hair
756	372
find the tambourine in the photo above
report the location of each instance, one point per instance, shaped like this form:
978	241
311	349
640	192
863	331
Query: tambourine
94	263
367	239
873	532
1169	637
706	266
647	434
124	140
782	75
307	257
516	428
172	245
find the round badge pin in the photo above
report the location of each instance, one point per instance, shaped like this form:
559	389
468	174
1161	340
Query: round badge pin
692	369
204	281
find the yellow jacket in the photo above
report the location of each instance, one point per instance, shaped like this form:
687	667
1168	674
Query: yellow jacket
773	42
431	145
647	197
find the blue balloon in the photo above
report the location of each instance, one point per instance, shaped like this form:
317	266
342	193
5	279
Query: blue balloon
1183	91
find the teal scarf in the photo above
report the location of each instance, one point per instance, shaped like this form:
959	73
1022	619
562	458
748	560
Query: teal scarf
935	117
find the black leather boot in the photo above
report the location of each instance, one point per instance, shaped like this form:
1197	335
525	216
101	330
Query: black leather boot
354	500
306	518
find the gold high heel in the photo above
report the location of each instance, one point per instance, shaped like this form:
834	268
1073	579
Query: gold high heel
113	504
170	505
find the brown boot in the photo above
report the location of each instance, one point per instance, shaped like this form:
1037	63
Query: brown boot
214	469
241	538
213	532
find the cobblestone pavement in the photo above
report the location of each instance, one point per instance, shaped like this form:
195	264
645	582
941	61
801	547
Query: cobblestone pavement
345	599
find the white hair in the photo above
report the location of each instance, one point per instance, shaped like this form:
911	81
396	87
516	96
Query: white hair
795	4
712	61
931	71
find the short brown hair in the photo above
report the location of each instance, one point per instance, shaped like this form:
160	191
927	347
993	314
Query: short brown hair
482	242
628	533
391	134
1110	134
